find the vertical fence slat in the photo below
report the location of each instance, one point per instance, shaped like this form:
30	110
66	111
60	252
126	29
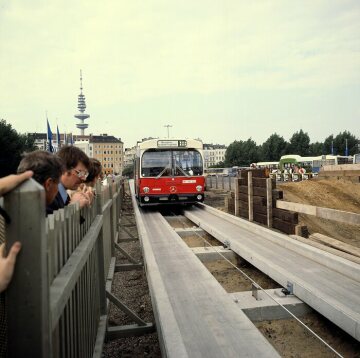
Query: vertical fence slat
237	201
269	201
250	196
29	290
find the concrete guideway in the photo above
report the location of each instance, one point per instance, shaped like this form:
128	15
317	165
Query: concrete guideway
327	283
195	316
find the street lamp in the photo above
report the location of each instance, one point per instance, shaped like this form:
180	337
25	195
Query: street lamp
168	126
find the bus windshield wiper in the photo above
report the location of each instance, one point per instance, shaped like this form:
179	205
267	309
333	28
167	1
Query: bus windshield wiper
162	172
182	170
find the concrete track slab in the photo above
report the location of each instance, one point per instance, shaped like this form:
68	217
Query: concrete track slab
195	316
332	293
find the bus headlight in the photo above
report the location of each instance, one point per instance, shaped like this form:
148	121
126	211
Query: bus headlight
146	189
199	188
199	197
146	199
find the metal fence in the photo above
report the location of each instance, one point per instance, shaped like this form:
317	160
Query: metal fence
56	302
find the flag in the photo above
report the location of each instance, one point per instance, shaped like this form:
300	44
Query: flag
346	149
50	147
58	136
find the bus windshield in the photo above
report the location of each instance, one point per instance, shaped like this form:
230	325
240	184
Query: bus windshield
158	163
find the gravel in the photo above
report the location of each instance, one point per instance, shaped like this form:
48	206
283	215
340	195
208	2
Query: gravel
132	289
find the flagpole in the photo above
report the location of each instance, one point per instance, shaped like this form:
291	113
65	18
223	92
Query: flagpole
49	136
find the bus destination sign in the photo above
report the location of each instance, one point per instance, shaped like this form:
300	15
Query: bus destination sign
171	143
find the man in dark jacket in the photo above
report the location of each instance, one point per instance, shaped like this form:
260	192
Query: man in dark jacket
76	164
47	169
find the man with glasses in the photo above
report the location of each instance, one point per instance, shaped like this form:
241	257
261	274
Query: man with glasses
76	164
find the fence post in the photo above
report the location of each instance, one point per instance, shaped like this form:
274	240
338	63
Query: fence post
269	201
100	255
112	186
28	293
250	196
236	204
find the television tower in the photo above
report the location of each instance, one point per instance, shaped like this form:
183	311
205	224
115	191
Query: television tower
81	106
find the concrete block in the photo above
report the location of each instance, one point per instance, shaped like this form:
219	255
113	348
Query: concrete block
267	307
212	253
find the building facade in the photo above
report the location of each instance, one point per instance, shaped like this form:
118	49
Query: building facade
105	148
129	156
213	154
109	151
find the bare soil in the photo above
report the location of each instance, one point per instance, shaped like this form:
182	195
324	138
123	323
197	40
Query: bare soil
335	194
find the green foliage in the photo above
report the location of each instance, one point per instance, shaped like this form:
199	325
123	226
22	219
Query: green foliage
242	153
12	146
273	148
316	149
218	165
299	144
327	144
340	143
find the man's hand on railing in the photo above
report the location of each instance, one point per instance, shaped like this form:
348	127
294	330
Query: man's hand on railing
89	192
7	264
12	181
80	197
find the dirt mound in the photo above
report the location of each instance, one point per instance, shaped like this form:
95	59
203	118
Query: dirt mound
334	194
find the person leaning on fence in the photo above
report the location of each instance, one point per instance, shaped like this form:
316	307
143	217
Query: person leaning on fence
76	164
88	187
7	264
95	170
47	169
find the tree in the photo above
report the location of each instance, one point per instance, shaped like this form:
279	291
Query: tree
316	149
12	146
340	143
273	148
242	153
299	144
328	143
221	164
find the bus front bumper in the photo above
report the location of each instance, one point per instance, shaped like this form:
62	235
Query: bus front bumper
171	199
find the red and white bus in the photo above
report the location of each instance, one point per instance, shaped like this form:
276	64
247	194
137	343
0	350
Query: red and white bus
169	171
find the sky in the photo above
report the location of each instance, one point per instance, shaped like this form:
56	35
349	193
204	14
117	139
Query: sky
217	70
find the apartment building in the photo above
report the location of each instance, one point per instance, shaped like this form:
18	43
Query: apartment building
213	154
109	151
129	156
106	148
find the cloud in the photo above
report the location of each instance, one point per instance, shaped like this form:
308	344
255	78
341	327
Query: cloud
135	51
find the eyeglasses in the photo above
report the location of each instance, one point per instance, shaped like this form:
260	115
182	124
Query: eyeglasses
81	173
